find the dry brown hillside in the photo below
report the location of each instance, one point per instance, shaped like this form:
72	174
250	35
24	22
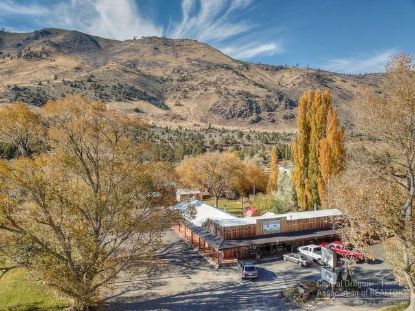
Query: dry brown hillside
168	81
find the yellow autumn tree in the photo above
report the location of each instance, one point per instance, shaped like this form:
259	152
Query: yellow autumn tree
376	191
87	209
212	171
313	116
21	128
300	151
331	153
317	119
252	180
273	176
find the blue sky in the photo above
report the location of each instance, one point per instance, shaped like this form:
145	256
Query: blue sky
353	36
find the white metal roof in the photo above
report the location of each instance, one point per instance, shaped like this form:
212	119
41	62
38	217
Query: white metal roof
268	214
302	215
235	222
313	214
204	211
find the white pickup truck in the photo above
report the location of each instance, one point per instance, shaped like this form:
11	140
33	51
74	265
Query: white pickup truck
312	251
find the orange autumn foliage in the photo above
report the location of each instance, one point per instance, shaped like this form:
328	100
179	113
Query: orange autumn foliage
331	153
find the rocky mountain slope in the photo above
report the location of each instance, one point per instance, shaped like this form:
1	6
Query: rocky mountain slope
166	81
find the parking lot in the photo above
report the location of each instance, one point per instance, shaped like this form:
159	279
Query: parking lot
186	281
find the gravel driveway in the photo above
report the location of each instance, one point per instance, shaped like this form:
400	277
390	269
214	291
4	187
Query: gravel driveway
187	282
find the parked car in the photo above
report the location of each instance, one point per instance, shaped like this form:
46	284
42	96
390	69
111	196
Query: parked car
248	270
300	259
342	250
312	251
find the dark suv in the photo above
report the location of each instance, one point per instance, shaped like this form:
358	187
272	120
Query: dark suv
248	270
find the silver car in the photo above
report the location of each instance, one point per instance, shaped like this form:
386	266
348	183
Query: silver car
300	259
248	270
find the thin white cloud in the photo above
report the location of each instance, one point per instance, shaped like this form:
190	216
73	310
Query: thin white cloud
374	62
217	22
10	7
209	20
253	49
119	19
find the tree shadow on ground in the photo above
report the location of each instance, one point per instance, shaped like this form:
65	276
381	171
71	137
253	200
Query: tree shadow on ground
374	262
227	296
175	259
266	275
179	260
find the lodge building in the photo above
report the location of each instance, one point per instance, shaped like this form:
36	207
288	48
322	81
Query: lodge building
224	238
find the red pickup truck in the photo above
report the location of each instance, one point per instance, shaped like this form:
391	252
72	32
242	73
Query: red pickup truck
339	248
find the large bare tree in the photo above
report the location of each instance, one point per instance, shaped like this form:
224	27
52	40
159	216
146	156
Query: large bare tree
85	211
377	190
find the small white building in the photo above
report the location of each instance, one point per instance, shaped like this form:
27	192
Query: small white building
188	194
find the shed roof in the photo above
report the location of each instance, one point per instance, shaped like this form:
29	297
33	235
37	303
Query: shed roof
213	240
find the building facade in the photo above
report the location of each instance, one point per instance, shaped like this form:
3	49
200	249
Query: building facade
224	238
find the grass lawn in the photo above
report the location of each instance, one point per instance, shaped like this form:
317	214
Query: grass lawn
19	293
230	206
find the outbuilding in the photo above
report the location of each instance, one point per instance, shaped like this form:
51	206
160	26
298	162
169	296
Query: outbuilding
188	194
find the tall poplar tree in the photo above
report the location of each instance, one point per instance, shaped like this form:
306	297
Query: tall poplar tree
318	119
332	152
313	116
273	177
300	151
